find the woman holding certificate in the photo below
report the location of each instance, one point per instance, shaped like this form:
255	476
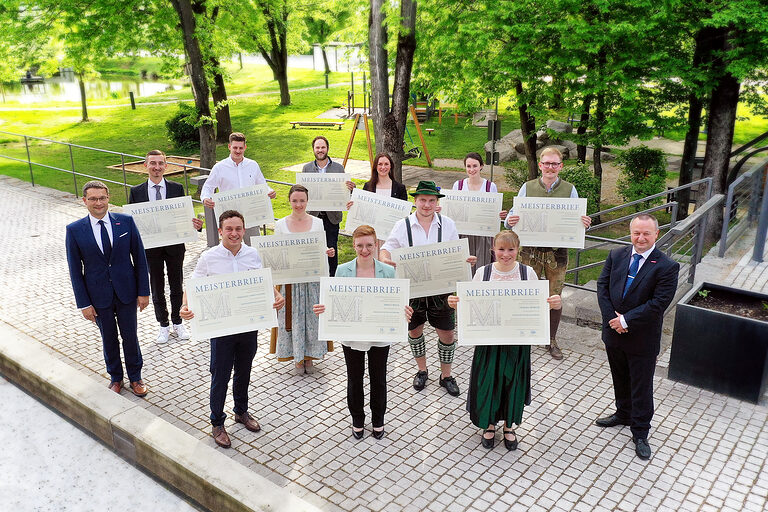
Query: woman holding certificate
480	246
500	381
297	330
365	265
383	181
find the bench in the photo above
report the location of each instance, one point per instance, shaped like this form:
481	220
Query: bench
322	124
429	131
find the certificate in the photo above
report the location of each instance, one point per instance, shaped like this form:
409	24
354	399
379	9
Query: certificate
433	269
503	313
294	257
253	202
475	213
231	303
550	221
328	192
164	222
363	309
380	212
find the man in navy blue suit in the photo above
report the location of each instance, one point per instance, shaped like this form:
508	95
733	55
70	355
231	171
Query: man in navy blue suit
636	286
108	270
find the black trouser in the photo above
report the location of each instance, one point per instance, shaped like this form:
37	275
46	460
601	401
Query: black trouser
158	262
228	352
633	388
332	240
377	372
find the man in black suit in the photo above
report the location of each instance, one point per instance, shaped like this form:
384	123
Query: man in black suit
636	286
170	257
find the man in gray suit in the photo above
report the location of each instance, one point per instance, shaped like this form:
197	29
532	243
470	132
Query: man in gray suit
331	220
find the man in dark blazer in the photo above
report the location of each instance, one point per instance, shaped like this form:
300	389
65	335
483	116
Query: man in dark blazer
170	257
331	220
108	270
636	286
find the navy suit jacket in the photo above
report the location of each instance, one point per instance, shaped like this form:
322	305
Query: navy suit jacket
140	194
643	306
97	281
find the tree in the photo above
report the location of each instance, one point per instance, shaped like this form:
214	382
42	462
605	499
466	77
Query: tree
323	24
389	123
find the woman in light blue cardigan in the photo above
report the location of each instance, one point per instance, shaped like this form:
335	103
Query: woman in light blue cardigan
365	265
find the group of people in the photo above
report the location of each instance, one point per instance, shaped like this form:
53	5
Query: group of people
112	276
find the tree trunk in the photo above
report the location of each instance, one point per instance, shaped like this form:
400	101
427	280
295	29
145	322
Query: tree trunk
377	62
219	94
277	54
597	160
81	85
581	149
325	60
197	77
528	129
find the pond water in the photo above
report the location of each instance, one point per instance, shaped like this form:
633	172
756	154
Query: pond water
65	88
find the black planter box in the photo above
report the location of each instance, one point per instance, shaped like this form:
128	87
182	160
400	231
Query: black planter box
718	351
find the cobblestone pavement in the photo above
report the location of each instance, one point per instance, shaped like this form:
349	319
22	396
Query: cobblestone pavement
709	451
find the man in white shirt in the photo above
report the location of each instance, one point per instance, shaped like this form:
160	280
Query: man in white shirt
234	172
170	257
426	226
235	351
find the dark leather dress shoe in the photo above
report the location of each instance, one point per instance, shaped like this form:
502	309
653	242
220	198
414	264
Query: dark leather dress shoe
378	434
642	449
138	388
248	420
449	383
358	434
221	437
611	421
488	442
510	445
116	386
420	380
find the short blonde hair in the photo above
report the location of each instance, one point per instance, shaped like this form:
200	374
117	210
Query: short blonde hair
508	237
550	150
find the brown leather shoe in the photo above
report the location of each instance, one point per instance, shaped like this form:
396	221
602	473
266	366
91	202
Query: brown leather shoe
221	437
554	350
116	386
249	422
138	388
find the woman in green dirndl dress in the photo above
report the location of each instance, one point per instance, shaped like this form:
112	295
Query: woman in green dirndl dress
500	382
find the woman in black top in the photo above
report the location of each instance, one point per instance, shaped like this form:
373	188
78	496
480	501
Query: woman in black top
382	181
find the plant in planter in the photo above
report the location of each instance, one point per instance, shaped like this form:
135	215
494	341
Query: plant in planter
720	341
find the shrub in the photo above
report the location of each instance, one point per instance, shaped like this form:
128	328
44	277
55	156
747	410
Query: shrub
181	128
587	185
643	173
516	173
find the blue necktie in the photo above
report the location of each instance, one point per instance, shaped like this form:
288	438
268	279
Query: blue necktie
105	243
633	268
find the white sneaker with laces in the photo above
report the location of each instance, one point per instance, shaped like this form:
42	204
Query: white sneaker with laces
181	332
163	334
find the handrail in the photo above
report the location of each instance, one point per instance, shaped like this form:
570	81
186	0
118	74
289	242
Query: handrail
708	181
686	224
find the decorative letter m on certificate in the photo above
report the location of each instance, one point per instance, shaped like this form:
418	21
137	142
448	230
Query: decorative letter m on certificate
488	316
215	307
346	310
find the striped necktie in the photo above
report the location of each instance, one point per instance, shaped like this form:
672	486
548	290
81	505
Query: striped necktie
105	243
633	268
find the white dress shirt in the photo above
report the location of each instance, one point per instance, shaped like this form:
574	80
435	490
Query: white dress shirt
220	260
227	175
522	193
643	257
97	230
152	191
399	236
465	186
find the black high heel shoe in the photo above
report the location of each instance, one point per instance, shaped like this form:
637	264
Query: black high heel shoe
378	434
510	445
488	443
358	434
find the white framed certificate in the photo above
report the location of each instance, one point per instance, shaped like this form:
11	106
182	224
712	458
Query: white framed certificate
252	202
503	312
363	309
380	212
550	221
475	213
433	269
328	191
164	222
231	303
293	257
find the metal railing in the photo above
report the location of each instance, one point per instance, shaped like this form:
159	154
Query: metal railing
742	205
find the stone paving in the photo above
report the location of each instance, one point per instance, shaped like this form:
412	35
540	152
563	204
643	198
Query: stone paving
709	451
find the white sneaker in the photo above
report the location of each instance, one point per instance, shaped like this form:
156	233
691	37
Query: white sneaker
181	332
163	334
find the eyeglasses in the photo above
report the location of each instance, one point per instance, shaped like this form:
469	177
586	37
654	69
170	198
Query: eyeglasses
102	199
551	165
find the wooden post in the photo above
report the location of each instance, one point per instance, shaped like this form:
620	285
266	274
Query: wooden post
421	136
368	139
440	115
455	118
351	140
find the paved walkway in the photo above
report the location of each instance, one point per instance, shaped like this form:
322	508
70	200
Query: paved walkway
709	451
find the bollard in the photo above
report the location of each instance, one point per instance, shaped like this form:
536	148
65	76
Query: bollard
133	102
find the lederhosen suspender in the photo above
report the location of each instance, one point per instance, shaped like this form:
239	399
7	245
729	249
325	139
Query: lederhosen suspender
487	272
410	233
487	185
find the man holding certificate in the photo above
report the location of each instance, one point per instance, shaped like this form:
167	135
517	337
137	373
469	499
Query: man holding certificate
234	351
169	257
232	173
331	220
549	262
426	226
